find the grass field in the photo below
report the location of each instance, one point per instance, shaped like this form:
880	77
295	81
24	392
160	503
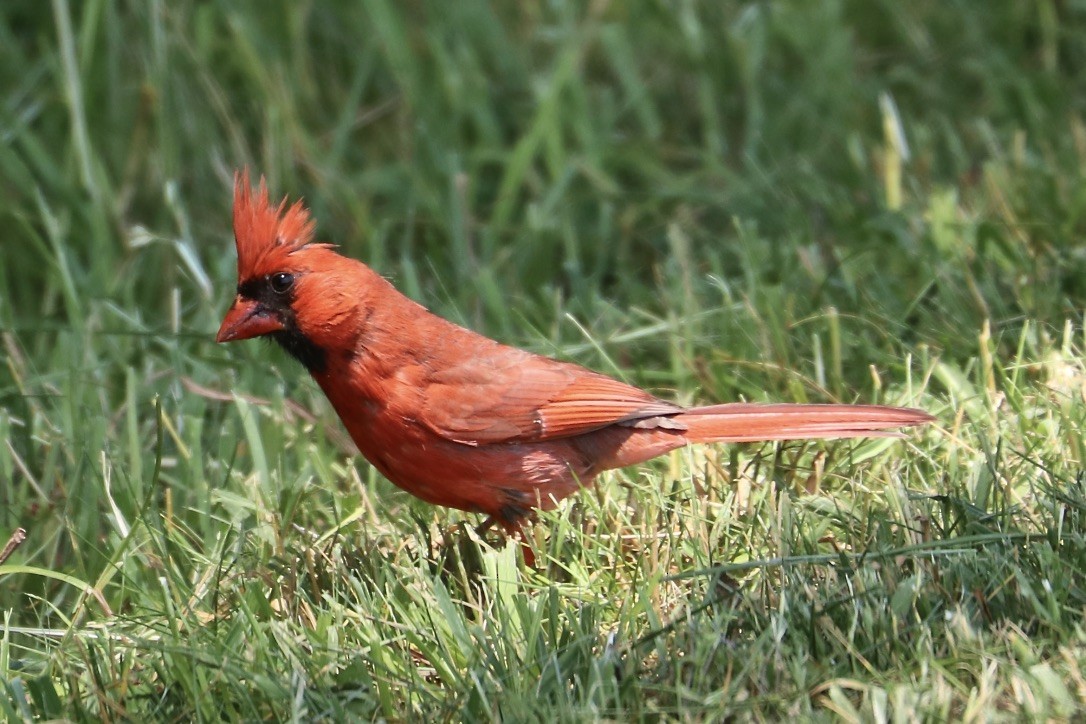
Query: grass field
859	200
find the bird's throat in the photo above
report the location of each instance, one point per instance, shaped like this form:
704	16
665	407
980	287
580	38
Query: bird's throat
313	357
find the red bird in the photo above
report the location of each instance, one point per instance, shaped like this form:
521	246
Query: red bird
458	419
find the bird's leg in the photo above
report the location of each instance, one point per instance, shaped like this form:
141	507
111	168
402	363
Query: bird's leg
526	549
511	517
482	528
514	522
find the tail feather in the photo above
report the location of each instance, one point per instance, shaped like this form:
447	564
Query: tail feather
750	422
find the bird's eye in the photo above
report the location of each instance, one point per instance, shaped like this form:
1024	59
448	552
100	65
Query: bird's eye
281	282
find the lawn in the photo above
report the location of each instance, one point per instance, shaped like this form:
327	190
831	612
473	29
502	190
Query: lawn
852	200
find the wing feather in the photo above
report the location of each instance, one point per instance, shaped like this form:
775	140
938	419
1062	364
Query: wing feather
521	397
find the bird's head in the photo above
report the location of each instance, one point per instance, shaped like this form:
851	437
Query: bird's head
290	289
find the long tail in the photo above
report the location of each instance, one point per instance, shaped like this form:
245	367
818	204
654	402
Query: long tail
747	422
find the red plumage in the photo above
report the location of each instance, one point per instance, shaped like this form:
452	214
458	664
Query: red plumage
458	419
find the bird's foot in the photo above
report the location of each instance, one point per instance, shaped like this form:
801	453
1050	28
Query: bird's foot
514	521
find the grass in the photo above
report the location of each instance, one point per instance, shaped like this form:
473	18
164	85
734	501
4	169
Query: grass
867	201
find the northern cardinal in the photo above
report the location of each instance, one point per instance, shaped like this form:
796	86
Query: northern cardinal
458	419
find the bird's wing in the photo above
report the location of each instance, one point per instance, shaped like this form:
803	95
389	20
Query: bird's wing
520	397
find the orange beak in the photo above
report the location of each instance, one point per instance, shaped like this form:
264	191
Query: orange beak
247	319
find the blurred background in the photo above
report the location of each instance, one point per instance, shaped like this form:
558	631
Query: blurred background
852	200
498	160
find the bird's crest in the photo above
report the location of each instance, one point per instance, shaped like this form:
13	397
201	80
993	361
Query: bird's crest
262	230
